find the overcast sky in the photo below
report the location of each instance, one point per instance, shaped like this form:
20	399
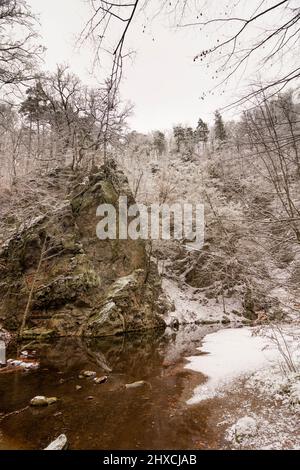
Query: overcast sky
161	78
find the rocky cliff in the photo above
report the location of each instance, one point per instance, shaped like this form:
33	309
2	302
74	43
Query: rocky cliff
66	281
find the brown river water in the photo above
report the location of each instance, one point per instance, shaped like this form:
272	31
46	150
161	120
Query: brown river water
109	416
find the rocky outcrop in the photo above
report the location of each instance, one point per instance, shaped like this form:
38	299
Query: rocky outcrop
243	429
74	283
5	337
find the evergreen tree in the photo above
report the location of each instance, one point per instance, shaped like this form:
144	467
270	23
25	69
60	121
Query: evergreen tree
189	141
201	132
179	136
159	142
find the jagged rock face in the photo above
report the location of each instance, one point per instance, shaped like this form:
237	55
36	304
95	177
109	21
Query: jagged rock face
80	285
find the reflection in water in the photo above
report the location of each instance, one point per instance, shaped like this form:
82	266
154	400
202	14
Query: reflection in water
152	417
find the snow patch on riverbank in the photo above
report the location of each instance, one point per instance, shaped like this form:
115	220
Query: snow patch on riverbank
276	429
257	372
191	306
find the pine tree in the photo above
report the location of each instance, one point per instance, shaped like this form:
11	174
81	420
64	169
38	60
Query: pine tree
189	140
220	133
159	142
35	106
179	137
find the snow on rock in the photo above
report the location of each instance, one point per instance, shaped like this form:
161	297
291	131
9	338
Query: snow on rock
295	393
227	355
5	336
190	306
23	364
245	427
186	340
2	353
40	400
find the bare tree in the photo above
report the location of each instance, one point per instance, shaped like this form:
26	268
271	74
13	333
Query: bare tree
106	17
60	122
274	135
266	36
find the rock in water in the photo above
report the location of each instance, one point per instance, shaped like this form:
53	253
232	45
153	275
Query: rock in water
40	400
38	333
140	383
4	336
245	427
51	400
100	380
2	353
89	287
60	443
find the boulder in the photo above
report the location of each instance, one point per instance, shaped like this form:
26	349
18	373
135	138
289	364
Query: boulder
40	401
2	353
51	400
245	427
60	443
100	380
89	373
225	320
23	364
140	383
295	392
38	334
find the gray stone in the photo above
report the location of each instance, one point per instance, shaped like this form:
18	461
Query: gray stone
60	443
245	427
40	401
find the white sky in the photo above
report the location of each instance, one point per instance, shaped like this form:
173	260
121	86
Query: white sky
161	79
230	354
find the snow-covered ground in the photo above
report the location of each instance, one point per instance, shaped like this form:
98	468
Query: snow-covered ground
2	352
258	372
191	306
228	354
